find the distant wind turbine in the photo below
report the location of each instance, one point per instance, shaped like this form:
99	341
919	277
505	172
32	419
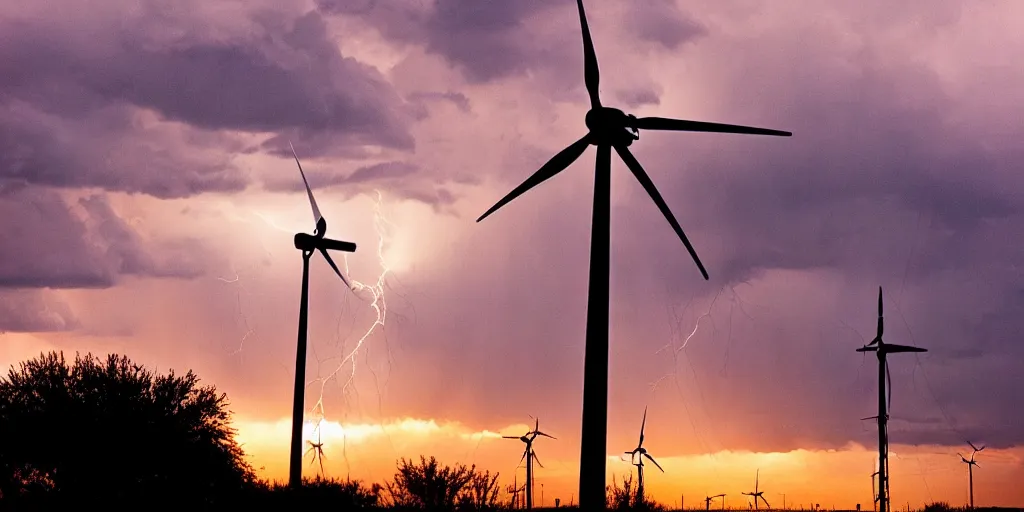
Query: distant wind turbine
318	451
608	128
530	458
970	467
883	349
638	454
757	494
514	490
307	244
707	501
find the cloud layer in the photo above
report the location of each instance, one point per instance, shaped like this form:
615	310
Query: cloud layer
901	173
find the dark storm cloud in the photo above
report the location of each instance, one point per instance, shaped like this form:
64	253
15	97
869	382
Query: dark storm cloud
70	98
486	40
108	148
34	311
661	22
44	243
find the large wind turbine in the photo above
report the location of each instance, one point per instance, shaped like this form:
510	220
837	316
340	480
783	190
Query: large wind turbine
970	467
530	457
757	494
883	349
608	128
639	453
307	244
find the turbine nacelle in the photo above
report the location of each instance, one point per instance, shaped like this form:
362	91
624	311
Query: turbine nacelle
611	127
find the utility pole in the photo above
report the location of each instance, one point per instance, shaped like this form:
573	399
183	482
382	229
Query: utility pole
882	350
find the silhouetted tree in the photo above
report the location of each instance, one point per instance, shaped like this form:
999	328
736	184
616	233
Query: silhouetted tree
111	430
430	486
481	493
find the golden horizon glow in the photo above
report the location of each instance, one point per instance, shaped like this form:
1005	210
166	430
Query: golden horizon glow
831	477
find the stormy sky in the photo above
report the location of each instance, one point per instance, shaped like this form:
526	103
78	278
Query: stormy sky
148	198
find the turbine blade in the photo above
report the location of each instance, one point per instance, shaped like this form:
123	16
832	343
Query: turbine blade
654	461
521	459
765	501
982	448
757	478
975	448
309	192
537	460
591	73
976	464
881	320
327	256
682	125
888	384
642	425
645	181
510	437
545	435
557	164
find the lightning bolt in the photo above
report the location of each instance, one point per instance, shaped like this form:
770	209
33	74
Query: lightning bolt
373	291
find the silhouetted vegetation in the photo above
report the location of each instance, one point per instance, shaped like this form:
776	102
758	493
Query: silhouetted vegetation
111	431
431	486
627	497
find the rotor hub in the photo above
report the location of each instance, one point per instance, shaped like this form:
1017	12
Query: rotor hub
610	126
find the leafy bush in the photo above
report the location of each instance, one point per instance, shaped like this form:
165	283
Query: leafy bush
111	431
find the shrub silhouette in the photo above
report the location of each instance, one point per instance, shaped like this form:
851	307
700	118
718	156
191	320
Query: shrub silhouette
430	486
111	431
315	493
627	497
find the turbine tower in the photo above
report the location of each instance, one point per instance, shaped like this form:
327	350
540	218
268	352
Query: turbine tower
970	468
707	501
757	494
608	128
307	244
639	453
883	349
530	457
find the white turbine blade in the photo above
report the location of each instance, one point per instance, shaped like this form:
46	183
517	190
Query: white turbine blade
309	192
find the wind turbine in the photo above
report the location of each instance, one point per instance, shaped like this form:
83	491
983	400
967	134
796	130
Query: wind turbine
307	244
970	467
514	490
883	349
607	128
642	452
318	451
530	457
707	501
757	494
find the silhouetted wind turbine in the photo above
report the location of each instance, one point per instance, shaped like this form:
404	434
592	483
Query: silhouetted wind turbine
883	349
307	244
642	452
318	451
970	467
530	457
514	490
757	494
608	128
707	501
